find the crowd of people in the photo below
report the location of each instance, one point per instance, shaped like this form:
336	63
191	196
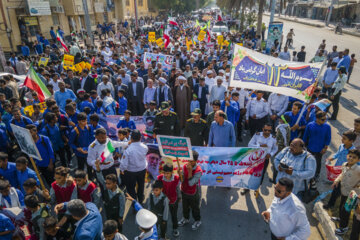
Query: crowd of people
84	186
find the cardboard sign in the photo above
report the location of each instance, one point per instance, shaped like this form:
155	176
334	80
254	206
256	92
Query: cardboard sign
220	39
43	61
171	146
160	42
151	37
68	61
201	35
25	141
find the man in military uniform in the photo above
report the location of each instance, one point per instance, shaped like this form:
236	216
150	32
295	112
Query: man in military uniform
166	121
196	129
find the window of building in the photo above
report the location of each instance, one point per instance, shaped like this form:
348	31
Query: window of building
140	3
127	2
55	19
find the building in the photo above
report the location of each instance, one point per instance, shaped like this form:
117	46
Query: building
23	19
143	8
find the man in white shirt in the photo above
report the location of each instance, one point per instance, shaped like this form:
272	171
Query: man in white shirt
257	110
133	166
267	141
105	84
217	91
287	215
99	150
149	93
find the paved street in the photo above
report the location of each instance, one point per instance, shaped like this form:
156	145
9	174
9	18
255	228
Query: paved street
228	215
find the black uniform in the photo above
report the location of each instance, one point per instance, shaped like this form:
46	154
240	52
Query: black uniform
197	132
167	125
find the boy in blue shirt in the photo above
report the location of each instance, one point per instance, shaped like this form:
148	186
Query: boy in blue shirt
6	227
126	122
23	172
10	196
8	169
347	140
94	124
80	139
294	115
70	111
86	103
18	119
194	103
122	102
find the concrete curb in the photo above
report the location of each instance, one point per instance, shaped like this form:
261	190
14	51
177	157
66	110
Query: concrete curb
327	225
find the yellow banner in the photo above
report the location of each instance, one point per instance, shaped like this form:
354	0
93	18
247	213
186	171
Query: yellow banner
220	39
226	43
88	66
201	35
188	43
151	37
43	61
68	61
29	110
160	42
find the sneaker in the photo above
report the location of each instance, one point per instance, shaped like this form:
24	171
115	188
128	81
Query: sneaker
183	221
335	219
341	231
196	225
244	191
176	233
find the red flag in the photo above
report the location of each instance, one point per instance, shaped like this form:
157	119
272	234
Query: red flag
92	61
208	36
219	18
166	37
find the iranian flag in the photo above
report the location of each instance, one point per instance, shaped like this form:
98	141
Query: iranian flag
34	82
173	22
166	37
109	148
59	38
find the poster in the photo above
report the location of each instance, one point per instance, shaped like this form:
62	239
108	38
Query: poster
39	8
254	70
222	166
201	35
220	39
109	123
274	33
171	146
29	110
43	61
151	36
160	42
165	60
25	141
68	61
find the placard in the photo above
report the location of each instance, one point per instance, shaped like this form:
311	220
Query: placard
171	146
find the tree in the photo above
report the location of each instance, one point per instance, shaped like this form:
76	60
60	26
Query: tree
179	6
260	13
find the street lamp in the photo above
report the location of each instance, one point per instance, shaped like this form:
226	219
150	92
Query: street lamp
8	33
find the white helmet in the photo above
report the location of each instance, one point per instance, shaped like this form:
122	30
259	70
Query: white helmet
145	218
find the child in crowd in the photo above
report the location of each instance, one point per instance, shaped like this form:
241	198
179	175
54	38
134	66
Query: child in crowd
112	196
94	124
347	140
6	116
126	122
111	231
61	191
158	203
348	180
122	102
39	211
10	196
53	232
99	109
171	183
194	103
37	115
109	103
86	190
86	103
31	188
8	169
24	172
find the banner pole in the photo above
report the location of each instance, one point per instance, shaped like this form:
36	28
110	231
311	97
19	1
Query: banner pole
315	85
37	173
178	163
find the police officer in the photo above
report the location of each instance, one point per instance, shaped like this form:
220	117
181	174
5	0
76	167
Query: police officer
166	121
196	129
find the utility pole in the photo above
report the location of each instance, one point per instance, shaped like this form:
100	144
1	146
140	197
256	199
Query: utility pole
136	14
87	20
330	12
272	11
